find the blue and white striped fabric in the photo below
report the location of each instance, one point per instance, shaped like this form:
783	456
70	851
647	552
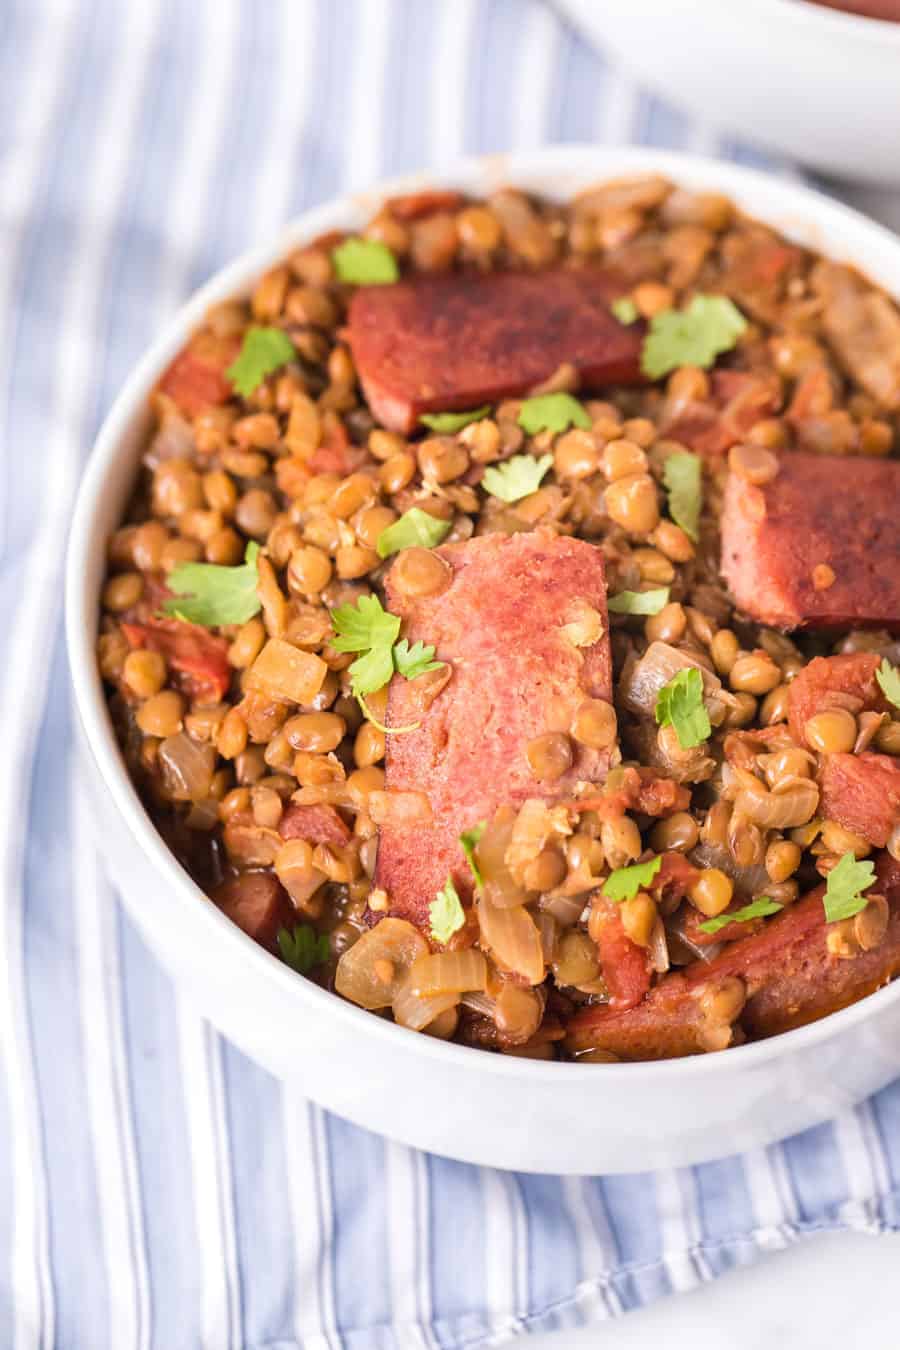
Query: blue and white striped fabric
156	1188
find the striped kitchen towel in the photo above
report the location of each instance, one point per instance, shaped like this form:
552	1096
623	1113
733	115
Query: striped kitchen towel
156	1188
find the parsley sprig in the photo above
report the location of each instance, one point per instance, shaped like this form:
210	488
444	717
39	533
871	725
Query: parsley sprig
844	888
304	948
683	480
370	630
888	678
757	909
263	351
625	882
552	412
364	262
639	602
469	839
679	704
695	336
446	423
414	528
446	913
208	594
516	478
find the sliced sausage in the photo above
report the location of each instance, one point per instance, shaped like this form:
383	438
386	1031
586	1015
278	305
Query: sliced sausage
817	545
316	824
258	904
514	675
862	793
786	971
454	342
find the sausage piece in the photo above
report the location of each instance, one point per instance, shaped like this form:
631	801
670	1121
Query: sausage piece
862	793
196	379
258	904
514	675
316	824
816	546
789	977
431	344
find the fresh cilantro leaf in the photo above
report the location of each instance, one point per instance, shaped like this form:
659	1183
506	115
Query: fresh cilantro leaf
680	704
415	660
372	671
888	677
446	423
414	528
211	595
446	913
624	309
683	480
625	882
469	840
263	351
844	888
304	948
516	478
695	336
364	262
363	625
552	412
638	602
757	909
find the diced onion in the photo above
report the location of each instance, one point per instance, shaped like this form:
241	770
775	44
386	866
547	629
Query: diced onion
642	680
415	1012
187	767
449	973
657	949
513	938
360	974
400	808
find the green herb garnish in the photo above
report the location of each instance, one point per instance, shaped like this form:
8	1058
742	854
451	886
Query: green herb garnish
552	412
364	262
263	351
638	602
304	948
624	309
679	704
844	888
516	478
446	913
469	840
757	909
415	528
371	630
683	480
695	336
446	423
625	882
888	678
211	595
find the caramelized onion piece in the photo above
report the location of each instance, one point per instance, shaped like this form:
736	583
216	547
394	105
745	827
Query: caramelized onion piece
513	939
371	972
187	767
449	973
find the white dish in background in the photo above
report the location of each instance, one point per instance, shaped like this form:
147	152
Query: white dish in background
465	1103
816	84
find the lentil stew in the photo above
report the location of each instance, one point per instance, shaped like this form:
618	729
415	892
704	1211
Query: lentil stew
505	628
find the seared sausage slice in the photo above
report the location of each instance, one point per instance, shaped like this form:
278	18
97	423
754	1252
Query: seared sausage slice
862	793
514	675
787	972
258	904
817	546
430	344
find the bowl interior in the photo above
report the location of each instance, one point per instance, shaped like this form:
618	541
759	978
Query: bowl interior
803	215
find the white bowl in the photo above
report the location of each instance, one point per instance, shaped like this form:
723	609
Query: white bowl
449	1099
813	83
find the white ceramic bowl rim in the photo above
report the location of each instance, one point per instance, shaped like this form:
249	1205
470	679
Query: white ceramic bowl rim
795	202
807	11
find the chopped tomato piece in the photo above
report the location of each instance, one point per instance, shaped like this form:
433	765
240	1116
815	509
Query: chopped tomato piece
625	965
199	658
